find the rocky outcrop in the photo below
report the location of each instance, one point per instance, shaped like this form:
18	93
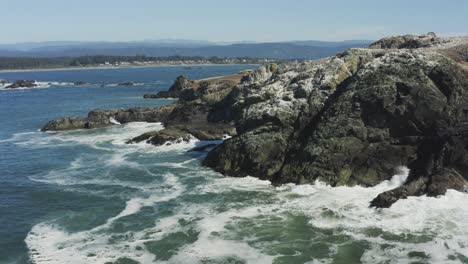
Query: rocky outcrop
207	91
458	52
191	116
22	84
66	123
183	133
181	83
126	84
408	42
352	119
187	121
166	136
3	82
102	118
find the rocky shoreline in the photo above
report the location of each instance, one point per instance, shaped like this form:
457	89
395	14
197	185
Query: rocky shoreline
350	119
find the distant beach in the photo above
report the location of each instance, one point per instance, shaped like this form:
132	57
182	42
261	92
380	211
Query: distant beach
122	67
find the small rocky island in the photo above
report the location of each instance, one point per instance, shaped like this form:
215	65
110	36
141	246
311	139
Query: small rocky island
350	119
20	84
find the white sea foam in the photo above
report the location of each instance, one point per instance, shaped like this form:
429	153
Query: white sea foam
50	244
443	218
113	121
440	221
209	246
95	138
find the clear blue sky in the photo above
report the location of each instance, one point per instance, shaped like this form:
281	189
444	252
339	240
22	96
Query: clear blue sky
234	20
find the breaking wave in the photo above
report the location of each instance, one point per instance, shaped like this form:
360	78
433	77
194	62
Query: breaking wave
194	215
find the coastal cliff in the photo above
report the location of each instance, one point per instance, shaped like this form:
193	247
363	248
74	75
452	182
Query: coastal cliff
350	119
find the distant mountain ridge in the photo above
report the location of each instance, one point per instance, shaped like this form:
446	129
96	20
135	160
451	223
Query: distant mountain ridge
309	49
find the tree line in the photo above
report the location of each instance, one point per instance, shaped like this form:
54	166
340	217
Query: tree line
11	63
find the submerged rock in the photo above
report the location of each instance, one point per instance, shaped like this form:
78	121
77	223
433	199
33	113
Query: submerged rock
22	84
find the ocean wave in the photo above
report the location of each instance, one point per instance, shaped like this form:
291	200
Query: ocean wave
440	221
240	218
49	243
94	138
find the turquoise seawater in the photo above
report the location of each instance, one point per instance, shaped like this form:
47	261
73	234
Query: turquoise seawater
87	197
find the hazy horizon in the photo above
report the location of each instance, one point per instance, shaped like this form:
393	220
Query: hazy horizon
175	40
243	21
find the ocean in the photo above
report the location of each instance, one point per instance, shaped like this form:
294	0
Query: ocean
85	196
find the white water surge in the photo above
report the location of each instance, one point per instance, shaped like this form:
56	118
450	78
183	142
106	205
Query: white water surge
222	219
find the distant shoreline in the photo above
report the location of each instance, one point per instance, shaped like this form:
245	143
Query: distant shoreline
122	67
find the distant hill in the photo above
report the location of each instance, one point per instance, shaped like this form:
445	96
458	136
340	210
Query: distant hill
161	48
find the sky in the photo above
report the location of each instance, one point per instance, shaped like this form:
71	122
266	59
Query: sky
221	20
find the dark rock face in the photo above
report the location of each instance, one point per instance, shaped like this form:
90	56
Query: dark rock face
408	42
22	84
441	164
79	83
351	119
3	82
